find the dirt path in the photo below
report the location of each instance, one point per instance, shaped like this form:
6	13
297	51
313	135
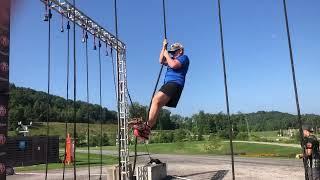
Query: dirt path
270	143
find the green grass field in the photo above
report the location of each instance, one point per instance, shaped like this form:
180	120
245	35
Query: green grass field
207	148
58	129
265	133
81	162
272	136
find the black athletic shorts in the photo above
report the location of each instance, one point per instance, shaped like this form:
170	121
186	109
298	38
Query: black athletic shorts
173	90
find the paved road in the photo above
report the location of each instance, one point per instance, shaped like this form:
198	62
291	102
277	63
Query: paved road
211	167
197	168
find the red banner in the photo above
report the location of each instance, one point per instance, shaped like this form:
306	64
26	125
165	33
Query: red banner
4	80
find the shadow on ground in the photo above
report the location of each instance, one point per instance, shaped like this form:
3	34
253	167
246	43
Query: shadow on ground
212	175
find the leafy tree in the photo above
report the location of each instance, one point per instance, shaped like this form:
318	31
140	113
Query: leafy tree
27	105
179	135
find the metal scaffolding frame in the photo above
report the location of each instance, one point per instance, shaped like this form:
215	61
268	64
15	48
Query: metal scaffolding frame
123	115
67	10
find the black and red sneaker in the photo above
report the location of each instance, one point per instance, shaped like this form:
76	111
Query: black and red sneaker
135	121
142	130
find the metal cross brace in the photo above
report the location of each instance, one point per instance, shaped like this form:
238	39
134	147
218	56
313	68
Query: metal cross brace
66	9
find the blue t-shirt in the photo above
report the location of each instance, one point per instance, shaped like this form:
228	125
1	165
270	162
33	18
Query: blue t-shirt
178	75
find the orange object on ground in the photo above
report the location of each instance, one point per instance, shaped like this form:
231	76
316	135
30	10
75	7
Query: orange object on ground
68	150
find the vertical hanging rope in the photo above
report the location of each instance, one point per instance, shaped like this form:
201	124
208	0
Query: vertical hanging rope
62	24
226	90
48	86
114	73
295	89
100	112
88	115
160	72
67	104
164	19
136	140
154	90
74	95
118	92
165	36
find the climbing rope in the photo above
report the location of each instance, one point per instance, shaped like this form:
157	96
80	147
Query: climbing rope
67	103
48	18
295	90
49	15
226	90
154	90
165	36
118	90
100	112
74	95
136	139
88	115
113	72
62	24
159	74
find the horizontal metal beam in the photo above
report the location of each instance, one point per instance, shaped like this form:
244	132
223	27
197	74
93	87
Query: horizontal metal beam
66	9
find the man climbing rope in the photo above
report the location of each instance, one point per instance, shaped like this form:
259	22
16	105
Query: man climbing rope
312	156
169	94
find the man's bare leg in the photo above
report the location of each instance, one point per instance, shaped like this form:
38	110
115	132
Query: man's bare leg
158	101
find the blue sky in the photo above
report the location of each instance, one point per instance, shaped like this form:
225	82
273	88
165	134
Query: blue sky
257	56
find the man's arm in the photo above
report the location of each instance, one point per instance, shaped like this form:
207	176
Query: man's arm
162	59
173	63
308	153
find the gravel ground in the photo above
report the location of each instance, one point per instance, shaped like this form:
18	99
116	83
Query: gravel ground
198	168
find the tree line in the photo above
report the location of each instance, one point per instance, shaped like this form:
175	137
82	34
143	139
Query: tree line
242	122
27	105
218	123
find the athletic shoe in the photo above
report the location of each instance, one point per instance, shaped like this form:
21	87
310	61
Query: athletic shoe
142	130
